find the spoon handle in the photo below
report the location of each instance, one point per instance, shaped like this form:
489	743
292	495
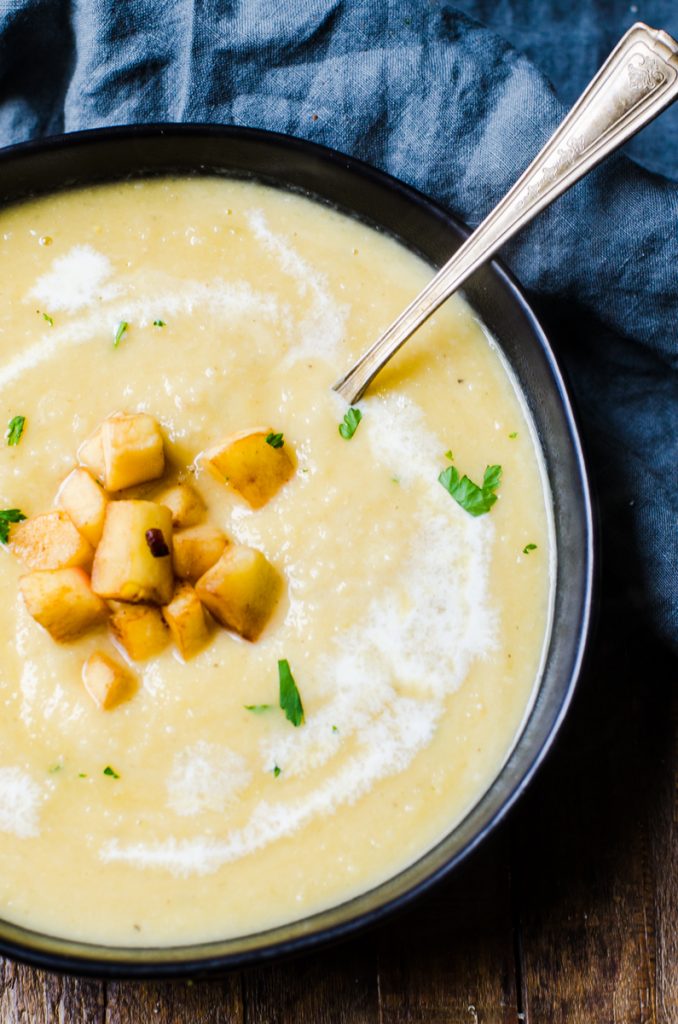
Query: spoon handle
637	81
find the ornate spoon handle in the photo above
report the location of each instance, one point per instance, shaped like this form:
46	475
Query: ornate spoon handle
638	80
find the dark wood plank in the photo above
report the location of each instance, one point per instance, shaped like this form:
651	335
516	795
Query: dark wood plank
204	1002
28	996
663	826
450	959
587	883
335	986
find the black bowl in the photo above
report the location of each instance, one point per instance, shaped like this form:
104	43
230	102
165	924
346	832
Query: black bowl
423	227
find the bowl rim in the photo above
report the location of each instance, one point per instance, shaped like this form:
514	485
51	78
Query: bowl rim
199	959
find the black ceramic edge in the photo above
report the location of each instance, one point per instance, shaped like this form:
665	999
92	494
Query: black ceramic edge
86	959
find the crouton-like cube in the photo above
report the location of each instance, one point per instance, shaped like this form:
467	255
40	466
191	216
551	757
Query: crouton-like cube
140	628
241	590
133	448
248	464
185	617
91	454
85	501
50	541
196	549
107	682
185	504
62	601
125	566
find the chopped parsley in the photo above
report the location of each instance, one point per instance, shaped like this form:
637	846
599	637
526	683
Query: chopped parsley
159	323
474	499
111	772
46	317
120	332
334	728
290	701
528	548
7	516
55	768
15	429
275	440
256	708
513	435
351	420
276	771
82	775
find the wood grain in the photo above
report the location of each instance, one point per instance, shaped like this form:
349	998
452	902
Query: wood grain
450	960
206	1002
588	877
336	986
28	996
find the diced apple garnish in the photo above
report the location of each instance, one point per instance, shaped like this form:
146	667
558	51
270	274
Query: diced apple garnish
107	681
140	628
196	549
85	501
185	504
250	465
133	448
241	590
185	617
50	541
125	567
91	454
62	601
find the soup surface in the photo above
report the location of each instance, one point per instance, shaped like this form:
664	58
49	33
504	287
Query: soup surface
413	629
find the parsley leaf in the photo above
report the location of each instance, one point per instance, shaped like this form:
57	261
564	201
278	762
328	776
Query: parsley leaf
513	435
474	499
111	772
48	318
528	548
120	332
351	420
276	771
159	323
290	701
275	440
7	516
15	429
256	708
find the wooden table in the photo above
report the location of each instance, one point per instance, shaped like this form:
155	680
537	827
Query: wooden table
569	914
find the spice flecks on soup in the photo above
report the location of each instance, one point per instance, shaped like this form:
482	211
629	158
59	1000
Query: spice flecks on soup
413	630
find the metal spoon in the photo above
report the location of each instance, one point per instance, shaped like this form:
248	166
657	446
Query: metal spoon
637	81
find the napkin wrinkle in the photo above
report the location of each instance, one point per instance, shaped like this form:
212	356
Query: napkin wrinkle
447	105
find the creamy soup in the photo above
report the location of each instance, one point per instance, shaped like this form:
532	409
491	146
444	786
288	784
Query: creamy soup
413	629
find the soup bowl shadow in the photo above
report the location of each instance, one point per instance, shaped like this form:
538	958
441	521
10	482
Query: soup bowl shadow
425	228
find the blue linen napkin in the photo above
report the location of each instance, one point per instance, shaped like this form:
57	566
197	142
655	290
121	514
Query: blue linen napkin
434	98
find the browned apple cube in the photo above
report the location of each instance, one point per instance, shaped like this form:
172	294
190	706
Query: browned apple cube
85	501
196	549
50	541
185	617
241	590
134	451
134	559
107	681
251	465
62	601
140	628
185	504
91	454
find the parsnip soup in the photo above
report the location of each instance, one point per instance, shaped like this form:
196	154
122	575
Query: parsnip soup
259	651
